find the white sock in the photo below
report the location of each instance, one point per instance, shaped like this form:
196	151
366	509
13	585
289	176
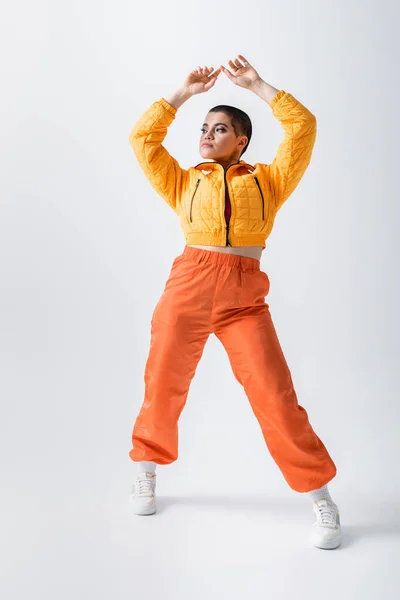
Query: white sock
146	466
322	492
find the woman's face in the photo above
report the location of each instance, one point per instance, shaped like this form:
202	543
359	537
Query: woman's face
220	137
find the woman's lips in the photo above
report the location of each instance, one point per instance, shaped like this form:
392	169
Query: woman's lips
209	145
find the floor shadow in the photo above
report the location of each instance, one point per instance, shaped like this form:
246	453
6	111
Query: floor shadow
247	503
353	534
377	520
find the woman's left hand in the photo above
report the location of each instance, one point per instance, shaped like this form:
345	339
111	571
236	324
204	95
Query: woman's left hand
244	75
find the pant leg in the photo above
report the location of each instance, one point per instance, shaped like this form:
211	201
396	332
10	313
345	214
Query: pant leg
179	331
258	363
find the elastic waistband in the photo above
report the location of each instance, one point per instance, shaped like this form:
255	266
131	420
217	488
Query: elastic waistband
200	255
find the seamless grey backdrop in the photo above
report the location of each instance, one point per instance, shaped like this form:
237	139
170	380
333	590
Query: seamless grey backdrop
86	245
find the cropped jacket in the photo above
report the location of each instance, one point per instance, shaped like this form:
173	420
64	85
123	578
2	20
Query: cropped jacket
197	194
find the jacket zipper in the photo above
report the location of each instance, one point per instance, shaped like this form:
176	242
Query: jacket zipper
191	202
262	197
227	223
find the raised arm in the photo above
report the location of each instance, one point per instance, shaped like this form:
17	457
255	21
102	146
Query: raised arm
299	125
294	152
163	171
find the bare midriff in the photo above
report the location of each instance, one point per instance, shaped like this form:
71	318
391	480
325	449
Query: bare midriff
249	251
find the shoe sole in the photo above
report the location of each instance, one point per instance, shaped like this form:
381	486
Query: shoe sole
328	544
144	510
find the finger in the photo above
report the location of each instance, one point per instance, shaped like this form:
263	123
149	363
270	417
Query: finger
228	74
226	71
211	81
232	65
243	59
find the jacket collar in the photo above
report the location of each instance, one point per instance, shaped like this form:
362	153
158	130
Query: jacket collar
211	166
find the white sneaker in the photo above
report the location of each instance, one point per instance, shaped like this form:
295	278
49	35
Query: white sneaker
326	531
143	496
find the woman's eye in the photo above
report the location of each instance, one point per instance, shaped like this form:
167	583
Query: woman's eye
218	129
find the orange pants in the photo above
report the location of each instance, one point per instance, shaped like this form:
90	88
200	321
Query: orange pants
211	292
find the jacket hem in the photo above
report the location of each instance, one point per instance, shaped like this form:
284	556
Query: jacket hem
219	239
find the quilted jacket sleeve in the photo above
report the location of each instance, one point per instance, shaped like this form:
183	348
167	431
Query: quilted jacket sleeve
295	150
161	169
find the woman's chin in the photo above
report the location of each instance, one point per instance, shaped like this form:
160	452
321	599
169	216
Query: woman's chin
205	154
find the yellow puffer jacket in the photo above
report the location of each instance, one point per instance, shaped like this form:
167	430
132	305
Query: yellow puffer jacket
197	194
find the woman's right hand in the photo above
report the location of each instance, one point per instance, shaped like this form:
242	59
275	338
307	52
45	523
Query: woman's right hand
200	80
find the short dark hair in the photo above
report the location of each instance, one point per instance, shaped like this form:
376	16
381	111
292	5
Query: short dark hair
240	121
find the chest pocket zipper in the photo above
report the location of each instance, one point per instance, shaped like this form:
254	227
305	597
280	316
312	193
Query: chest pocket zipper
191	202
262	197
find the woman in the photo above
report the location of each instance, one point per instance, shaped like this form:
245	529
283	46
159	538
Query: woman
226	209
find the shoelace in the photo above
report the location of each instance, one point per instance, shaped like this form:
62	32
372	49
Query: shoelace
145	487
326	515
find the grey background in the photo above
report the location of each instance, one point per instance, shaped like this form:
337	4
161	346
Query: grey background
86	246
